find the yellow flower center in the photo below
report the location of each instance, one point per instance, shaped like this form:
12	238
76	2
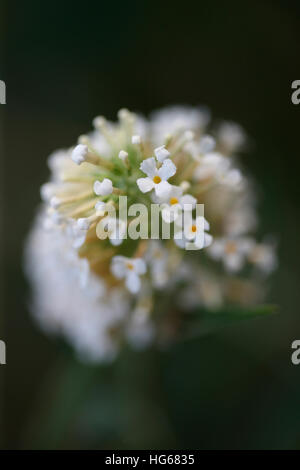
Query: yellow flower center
173	201
156	179
130	266
194	228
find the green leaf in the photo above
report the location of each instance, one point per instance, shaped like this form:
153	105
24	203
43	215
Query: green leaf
201	322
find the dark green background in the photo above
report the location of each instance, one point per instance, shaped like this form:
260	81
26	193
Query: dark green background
66	62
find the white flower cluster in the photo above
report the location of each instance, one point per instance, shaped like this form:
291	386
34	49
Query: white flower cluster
98	293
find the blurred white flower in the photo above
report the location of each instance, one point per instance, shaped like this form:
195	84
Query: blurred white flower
99	293
157	257
177	119
231	136
68	298
130	270
263	256
232	251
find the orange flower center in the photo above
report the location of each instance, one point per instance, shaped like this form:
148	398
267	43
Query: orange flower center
173	201
194	228
230	247
156	179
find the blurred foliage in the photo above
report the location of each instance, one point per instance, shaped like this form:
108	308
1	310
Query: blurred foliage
124	405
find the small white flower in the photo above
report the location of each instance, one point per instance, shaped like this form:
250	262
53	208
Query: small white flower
194	233
199	148
123	155
188	136
157	259
185	185
214	165
136	140
233	178
55	202
207	144
115	229
263	257
100	207
103	188
231	136
177	119
161	153
176	203
211	165
157	179
79	154
130	270
232	251
47	191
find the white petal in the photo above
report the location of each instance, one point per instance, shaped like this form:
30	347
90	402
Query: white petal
83	223
79	154
245	245
167	170
206	225
103	188
170	213
100	206
233	262
189	201
189	235
107	187
145	184
115	241
217	249
163	189
79	241
200	240
148	166
176	191
207	144
123	155
136	139
161	153
97	188
233	177
118	266
208	239
133	282
47	191
179	239
201	223
139	265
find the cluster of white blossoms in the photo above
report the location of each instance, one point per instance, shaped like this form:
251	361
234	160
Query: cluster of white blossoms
100	293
